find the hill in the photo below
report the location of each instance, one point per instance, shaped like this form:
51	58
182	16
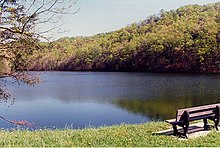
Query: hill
183	40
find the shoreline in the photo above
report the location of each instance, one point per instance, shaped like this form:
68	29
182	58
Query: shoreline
152	72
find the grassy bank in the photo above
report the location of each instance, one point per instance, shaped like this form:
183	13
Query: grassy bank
123	135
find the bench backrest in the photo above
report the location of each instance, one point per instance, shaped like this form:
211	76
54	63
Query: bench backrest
196	112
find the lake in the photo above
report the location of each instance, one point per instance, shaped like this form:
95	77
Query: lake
93	99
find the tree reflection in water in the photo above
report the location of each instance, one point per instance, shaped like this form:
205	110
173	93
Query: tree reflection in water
163	107
5	97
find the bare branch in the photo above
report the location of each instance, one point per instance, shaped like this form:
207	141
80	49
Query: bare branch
22	122
48	9
11	30
31	5
47	20
3	3
32	16
58	12
24	77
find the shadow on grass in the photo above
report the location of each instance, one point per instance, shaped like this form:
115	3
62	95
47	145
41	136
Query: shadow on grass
195	130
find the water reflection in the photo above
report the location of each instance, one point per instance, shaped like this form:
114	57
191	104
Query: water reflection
172	92
5	96
98	98
164	107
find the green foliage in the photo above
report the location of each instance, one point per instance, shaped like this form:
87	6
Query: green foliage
182	40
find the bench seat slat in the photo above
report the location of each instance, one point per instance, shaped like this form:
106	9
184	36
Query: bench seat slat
201	117
199	113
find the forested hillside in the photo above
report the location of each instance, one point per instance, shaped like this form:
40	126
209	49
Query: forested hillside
182	40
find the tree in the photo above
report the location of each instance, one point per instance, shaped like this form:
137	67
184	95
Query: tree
20	21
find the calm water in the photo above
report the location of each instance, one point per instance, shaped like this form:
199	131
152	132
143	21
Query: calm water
82	99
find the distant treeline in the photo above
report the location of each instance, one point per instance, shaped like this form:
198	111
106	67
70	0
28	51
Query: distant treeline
182	40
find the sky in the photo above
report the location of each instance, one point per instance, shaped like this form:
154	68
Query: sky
100	16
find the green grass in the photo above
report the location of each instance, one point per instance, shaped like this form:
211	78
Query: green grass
114	136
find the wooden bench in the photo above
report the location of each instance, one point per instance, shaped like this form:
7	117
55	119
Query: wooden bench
184	116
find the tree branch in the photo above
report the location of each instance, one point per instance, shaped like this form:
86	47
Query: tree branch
11	30
22	122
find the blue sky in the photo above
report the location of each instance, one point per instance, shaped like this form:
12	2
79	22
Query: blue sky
99	16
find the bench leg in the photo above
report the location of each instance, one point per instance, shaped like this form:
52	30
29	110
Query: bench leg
217	116
175	131
185	124
205	124
216	123
185	130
